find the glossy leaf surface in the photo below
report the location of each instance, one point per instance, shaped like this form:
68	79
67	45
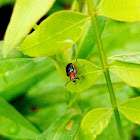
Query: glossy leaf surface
18	82
94	123
64	128
25	15
131	109
57	33
14	125
128	57
121	10
127	68
19	72
90	73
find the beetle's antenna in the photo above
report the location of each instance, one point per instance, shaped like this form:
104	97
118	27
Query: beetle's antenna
67	83
75	61
81	67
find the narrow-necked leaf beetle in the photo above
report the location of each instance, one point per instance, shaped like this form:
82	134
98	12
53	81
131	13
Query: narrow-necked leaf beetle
71	72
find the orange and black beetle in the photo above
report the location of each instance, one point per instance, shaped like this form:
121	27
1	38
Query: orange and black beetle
71	72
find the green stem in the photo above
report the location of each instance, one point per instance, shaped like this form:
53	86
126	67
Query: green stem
91	11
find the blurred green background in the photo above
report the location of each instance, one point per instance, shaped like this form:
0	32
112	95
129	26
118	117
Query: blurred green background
38	92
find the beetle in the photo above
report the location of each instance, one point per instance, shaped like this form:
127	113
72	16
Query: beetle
71	71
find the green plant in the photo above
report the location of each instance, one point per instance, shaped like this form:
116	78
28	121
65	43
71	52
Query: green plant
63	37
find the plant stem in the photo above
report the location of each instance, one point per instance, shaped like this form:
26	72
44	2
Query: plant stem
91	11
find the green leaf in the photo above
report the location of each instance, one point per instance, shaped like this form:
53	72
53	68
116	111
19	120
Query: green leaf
90	73
14	125
16	82
110	132
57	33
121	10
128	57
131	109
94	123
11	66
19	72
88	40
11	69
65	128
127	68
25	15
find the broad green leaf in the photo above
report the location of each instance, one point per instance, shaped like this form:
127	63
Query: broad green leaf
25	15
57	33
127	70
111	133
131	109
12	67
88	40
16	82
90	73
45	116
128	57
19	72
94	123
121	10
14	125
65	128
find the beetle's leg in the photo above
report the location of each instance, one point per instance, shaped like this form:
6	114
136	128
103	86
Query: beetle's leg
67	83
77	78
80	76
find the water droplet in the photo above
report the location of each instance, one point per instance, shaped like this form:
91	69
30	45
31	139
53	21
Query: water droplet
67	41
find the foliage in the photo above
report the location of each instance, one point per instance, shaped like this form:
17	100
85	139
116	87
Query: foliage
33	77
